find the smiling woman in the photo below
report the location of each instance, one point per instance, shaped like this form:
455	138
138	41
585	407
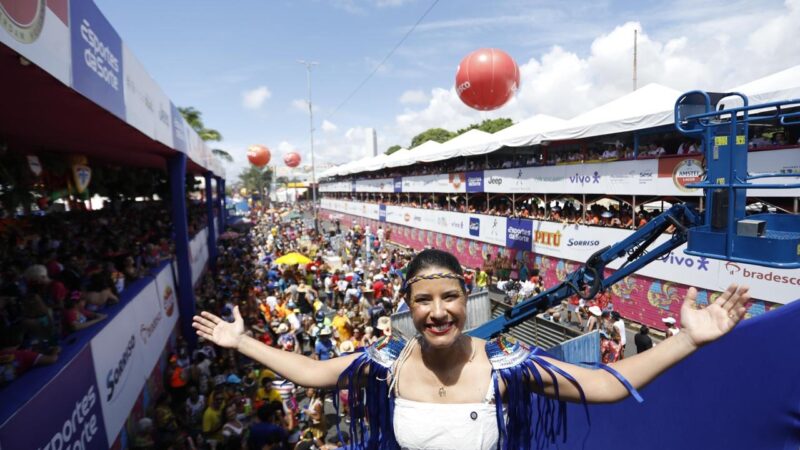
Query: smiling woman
439	390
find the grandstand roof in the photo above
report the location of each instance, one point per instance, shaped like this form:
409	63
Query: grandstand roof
647	107
783	85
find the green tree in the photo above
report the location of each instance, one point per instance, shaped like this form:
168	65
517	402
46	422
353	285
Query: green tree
256	179
392	149
195	120
433	134
488	126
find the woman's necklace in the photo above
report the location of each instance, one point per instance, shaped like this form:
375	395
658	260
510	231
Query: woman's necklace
442	389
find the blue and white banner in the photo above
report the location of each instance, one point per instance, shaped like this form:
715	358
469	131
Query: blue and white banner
65	414
97	62
397	182
519	234
475	181
382	213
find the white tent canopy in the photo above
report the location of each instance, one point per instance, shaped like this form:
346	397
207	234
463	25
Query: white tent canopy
650	106
412	155
783	85
518	135
452	148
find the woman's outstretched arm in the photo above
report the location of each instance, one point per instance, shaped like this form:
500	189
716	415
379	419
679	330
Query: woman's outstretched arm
700	327
295	367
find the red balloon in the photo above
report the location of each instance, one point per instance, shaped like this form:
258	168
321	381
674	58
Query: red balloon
258	155
292	159
486	79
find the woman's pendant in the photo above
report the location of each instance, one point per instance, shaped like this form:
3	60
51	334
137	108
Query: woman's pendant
442	392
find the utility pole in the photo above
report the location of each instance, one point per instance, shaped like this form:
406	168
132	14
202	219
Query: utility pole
635	33
309	65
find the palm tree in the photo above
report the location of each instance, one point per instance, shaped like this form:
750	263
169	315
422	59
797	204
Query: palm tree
194	119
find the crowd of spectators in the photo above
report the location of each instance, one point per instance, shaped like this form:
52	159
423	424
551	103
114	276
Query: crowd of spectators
591	152
59	272
335	304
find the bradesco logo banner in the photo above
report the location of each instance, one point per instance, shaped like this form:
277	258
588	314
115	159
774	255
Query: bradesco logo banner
382	213
65	414
39	31
97	68
519	234
474	181
119	371
146	107
397	184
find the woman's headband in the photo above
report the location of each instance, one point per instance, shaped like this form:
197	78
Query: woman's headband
433	276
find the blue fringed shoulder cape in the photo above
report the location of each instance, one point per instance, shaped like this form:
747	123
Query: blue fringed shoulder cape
525	419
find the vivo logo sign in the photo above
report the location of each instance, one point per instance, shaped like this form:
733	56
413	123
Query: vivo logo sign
700	263
585	179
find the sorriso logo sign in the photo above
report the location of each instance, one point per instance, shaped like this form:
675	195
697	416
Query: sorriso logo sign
744	272
115	375
474	226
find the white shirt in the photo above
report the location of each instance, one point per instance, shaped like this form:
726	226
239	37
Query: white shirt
445	426
620	326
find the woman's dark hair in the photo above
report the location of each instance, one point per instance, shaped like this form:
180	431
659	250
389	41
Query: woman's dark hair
434	258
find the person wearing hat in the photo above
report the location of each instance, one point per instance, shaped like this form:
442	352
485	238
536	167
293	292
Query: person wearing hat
385	325
594	318
287	340
324	348
408	374
672	329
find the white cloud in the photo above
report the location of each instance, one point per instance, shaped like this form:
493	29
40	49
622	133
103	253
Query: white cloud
301	105
704	53
328	126
413	96
255	98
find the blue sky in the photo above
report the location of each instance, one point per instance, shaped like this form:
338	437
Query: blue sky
236	61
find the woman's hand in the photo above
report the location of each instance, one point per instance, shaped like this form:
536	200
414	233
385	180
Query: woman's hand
710	323
225	334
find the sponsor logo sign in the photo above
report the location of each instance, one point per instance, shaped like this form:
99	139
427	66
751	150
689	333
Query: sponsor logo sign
97	69
761	274
397	184
64	414
382	213
579	178
519	234
474	181
692	262
456	179
474	226
687	172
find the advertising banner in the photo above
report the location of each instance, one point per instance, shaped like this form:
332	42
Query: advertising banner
519	234
157	312
382	213
657	176
385	185
141	108
440	183
474	181
179	130
97	62
397	183
198	254
337	186
39	31
118	365
64	414
576	243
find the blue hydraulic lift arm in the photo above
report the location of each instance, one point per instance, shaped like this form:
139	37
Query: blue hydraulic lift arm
589	279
